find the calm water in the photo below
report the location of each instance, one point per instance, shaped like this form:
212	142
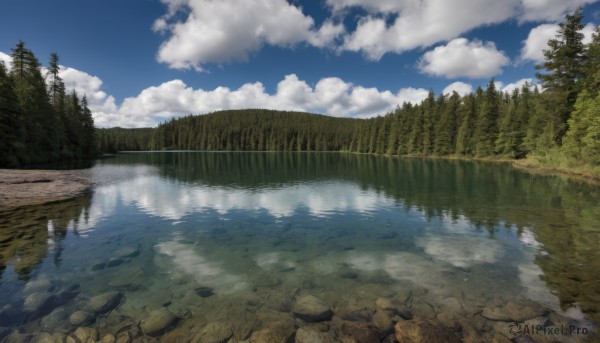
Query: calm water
236	238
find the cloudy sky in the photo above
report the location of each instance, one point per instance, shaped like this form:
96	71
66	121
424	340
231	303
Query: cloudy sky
141	62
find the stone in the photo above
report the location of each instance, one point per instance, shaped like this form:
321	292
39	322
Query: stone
44	337
420	330
109	338
158	322
311	309
359	332
83	335
114	262
98	266
81	318
104	302
204	292
356	315
37	301
514	311
39	285
311	334
394	307
124	337
423	309
213	333
383	321
267	336
126	252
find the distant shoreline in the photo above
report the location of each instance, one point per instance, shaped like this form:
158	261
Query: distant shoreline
24	187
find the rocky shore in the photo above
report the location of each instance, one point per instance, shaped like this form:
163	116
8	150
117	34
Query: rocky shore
31	187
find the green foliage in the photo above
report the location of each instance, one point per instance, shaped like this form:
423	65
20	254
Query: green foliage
38	122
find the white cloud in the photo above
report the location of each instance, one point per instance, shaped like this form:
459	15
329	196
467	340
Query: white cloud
459	87
421	23
427	22
537	40
6	59
330	95
461	58
518	85
540	10
227	30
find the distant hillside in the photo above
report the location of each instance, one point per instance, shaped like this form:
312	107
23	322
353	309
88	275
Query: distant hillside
238	130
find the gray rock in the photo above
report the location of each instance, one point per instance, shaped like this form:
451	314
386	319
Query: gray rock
39	285
312	334
214	333
104	302
83	335
310	309
158	322
514	311
114	262
126	252
360	332
81	318
36	301
423	331
109	338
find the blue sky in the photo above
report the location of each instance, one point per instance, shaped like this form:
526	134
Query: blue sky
141	62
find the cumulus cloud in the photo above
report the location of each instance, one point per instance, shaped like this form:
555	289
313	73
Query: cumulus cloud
537	40
459	87
461	58
329	95
424	23
519	85
539	10
228	30
6	59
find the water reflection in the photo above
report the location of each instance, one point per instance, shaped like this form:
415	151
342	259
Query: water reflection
206	225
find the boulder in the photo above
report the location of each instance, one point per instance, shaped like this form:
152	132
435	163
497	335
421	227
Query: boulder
359	332
104	302
83	335
310	309
158	322
214	333
312	334
514	311
81	318
420	330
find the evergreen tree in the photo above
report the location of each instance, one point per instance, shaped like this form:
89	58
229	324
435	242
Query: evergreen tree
486	129
565	71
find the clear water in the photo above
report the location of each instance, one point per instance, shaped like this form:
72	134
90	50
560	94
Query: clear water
220	237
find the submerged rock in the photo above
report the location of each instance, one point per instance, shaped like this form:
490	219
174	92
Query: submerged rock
158	322
81	318
39	285
313	334
214	333
83	335
104	302
383	322
44	337
126	252
420	330
310	309
267	336
109	338
37	301
360	332
204	292
514	311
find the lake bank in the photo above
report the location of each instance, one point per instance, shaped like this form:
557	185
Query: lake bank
19	187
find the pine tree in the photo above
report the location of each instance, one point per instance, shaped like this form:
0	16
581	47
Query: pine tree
486	129
565	71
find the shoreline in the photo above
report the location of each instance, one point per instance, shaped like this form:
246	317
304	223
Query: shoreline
26	187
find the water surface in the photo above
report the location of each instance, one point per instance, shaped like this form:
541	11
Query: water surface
224	237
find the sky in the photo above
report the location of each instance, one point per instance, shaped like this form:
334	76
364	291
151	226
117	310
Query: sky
142	62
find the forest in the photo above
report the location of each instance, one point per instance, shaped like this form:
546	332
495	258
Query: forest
555	123
39	122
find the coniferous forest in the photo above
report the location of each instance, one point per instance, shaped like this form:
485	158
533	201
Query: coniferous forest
555	124
39	121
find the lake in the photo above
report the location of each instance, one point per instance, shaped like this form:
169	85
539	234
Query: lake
218	246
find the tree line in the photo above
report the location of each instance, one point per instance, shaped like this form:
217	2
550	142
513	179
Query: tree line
558	123
40	122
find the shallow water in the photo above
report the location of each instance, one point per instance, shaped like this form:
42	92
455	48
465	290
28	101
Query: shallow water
237	238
